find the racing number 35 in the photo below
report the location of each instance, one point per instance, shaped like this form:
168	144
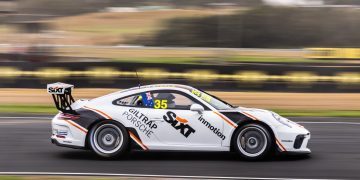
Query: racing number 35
160	104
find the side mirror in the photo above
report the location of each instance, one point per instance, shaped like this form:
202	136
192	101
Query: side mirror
197	107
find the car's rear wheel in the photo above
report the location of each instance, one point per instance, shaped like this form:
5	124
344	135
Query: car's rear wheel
253	141
108	139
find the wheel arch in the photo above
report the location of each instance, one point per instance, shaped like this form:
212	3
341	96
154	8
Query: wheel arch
87	145
243	123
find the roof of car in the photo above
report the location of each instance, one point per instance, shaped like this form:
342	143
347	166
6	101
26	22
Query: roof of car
129	90
159	86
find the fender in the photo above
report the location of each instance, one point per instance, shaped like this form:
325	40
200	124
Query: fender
241	119
88	117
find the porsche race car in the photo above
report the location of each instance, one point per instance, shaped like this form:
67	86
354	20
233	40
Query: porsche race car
170	117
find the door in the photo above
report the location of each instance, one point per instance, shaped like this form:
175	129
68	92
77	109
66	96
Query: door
178	126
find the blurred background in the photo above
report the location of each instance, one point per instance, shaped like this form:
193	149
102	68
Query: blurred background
298	57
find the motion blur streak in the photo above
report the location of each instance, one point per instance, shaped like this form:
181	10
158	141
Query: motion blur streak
36	154
143	175
248	76
295	57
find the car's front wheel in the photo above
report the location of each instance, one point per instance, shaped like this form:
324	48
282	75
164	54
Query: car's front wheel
108	139
253	141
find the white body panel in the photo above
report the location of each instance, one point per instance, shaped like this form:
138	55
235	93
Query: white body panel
74	136
158	130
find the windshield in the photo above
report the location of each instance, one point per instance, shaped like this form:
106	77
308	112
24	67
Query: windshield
212	100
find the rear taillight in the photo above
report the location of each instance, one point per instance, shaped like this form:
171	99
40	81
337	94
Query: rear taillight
66	116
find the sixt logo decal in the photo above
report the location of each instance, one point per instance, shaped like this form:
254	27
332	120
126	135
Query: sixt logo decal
179	123
56	90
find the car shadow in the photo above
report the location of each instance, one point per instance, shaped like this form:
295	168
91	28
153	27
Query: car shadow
174	156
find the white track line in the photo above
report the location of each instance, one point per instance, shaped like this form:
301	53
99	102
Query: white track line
24	117
319	122
143	175
22	122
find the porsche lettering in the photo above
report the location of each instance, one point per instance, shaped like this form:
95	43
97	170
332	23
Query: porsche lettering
140	121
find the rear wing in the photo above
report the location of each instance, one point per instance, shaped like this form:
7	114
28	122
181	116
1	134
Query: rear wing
62	97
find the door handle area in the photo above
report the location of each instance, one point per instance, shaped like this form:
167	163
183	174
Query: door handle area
157	119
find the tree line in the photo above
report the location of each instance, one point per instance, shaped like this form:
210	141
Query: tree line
264	27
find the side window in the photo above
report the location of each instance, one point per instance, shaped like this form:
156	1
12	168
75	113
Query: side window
144	99
128	101
171	100
161	99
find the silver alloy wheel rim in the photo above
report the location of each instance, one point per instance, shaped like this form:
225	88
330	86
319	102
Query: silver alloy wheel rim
252	142
256	141
108	138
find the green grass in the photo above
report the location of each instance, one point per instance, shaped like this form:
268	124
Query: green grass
275	60
10	178
41	109
45	109
320	113
171	60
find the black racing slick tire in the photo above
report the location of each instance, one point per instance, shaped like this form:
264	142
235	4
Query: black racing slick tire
108	139
253	142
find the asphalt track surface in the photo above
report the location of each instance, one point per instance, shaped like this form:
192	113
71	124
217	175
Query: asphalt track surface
25	147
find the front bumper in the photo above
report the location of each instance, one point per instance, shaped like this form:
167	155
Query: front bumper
293	140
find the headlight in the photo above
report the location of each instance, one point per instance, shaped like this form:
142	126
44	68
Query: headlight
281	120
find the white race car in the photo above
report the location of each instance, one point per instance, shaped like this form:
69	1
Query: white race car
170	117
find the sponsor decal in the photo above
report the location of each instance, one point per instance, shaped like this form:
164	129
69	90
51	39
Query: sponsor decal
56	90
213	129
201	95
179	123
140	121
60	133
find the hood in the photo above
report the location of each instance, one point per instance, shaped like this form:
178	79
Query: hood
267	116
259	114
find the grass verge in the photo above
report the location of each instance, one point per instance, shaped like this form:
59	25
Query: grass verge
265	59
46	109
39	109
319	113
237	59
11	178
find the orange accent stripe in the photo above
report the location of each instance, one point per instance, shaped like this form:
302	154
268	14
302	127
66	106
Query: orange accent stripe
182	120
250	116
77	126
280	145
99	112
137	140
225	119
